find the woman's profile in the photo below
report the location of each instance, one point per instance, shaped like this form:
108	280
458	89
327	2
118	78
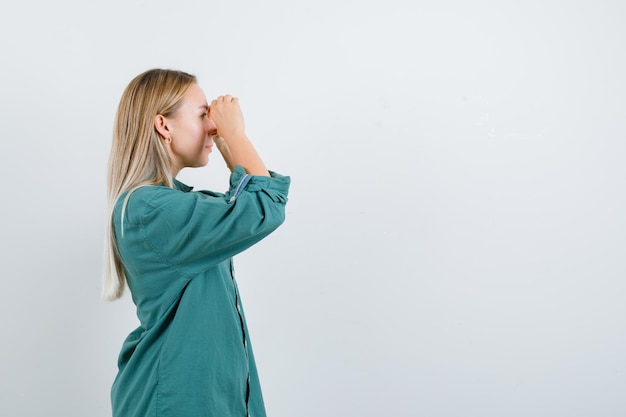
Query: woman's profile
191	355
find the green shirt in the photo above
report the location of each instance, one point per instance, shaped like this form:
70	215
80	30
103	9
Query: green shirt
191	356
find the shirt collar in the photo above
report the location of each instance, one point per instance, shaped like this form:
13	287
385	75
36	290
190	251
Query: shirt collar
180	186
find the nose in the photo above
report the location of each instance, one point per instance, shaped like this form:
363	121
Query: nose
210	126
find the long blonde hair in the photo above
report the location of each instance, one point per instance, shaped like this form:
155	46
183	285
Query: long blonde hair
138	155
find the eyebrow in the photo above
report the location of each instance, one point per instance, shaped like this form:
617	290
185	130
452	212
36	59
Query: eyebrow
204	107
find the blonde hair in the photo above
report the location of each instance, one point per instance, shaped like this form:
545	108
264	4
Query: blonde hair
138	156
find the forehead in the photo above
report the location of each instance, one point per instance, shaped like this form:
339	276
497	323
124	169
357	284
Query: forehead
194	97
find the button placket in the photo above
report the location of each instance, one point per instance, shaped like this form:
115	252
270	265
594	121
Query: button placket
243	331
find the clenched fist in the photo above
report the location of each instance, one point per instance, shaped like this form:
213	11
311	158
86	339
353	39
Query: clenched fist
228	118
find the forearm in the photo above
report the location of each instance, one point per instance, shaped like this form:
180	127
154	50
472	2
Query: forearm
225	151
238	150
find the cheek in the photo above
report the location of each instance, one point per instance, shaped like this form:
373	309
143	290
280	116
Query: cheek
198	131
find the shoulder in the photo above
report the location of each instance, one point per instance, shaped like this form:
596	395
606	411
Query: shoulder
146	195
145	200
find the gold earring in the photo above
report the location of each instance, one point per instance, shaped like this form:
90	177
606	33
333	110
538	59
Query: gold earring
168	140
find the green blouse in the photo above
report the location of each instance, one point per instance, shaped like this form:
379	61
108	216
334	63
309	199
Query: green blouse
191	356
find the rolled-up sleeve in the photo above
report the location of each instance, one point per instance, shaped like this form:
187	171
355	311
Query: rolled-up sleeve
193	231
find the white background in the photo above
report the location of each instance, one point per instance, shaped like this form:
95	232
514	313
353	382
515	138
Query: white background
455	236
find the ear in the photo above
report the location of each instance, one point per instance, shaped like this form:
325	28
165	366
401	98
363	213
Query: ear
162	126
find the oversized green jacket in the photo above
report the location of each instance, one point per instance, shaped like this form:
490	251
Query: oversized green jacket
191	355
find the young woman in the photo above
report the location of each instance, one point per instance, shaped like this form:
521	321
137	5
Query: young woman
191	355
